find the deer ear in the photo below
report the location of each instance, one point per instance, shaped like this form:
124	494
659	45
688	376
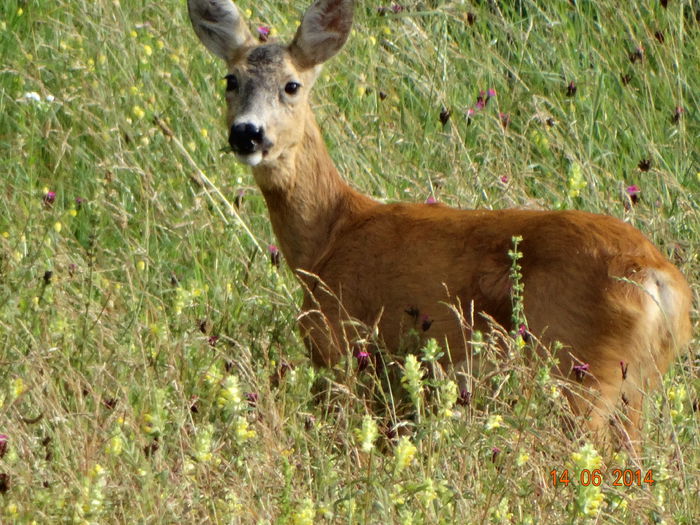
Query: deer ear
323	31
220	26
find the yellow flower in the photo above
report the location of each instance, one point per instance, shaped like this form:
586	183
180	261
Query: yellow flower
57	227
243	432
404	454
305	514
148	50
138	112
141	265
523	458
18	387
494	421
368	433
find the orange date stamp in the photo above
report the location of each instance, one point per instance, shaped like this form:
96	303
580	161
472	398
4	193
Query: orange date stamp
616	477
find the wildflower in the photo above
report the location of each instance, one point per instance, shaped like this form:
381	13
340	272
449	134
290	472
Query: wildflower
274	255
644	165
18	387
637	54
147	50
633	192
203	444
588	497
3	444
505	119
623	369
32	96
243	430
581	370
444	116
465	397
576	181
522	458
306	513
413	380
49	197
426	322
571	89
252	398
367	434
230	397
140	265
57	227
362	357
431	200
404	454
494	421
504	179
523	333
431	351
263	33
115	445
677	115
138	112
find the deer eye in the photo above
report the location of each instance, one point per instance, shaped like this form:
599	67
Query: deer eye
231	82
291	88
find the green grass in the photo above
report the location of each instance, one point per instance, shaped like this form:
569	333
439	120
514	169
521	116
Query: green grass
122	371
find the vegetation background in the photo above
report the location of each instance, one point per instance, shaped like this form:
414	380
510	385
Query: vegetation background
150	371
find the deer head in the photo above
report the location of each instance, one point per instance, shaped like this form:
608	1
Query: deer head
268	84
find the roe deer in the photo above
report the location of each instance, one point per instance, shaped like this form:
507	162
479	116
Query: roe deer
595	284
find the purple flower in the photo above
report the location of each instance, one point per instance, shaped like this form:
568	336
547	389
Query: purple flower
465	397
3	444
431	200
504	179
480	104
522	332
252	398
274	255
49	198
633	192
362	357
263	33
571	89
623	369
495	451
213	339
490	93
581	370
505	119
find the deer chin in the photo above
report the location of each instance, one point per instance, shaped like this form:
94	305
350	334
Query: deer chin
251	159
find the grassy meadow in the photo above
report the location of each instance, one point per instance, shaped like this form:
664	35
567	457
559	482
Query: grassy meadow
150	368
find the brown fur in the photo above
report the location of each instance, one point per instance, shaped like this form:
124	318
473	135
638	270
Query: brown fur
592	282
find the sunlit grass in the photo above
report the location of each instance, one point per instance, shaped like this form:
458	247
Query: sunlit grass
150	369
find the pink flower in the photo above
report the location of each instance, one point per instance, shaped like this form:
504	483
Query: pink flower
263	33
504	179
581	370
49	198
362	357
274	255
431	200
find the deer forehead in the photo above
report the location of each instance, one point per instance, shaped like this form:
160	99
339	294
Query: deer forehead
268	64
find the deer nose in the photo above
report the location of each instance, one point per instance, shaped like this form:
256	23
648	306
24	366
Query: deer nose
246	138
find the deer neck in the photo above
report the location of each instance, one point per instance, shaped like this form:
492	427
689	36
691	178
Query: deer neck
306	197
